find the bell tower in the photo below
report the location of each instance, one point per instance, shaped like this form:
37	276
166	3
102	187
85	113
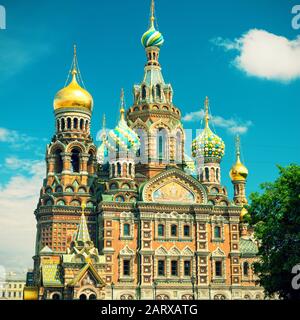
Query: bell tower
153	116
71	168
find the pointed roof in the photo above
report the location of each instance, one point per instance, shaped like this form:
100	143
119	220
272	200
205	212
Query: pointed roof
83	234
82	273
46	250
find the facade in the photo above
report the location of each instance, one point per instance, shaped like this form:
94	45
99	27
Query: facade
135	217
12	287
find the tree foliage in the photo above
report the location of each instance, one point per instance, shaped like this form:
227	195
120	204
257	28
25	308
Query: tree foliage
275	215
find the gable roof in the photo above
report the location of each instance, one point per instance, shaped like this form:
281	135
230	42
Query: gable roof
82	273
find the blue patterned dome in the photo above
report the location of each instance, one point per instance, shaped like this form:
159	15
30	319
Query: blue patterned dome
102	152
123	138
208	144
152	37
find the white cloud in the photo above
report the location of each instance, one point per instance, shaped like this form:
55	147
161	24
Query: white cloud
18	199
233	126
18	140
265	55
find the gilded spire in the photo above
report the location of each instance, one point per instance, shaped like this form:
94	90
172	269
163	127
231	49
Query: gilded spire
152	17
238	148
206	108
122	109
83	231
74	70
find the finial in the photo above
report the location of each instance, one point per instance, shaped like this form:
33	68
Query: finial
104	122
206	112
122	110
74	70
238	147
152	18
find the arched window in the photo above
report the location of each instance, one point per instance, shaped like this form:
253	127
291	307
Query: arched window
55	296
69	189
92	297
212	174
75	162
158	91
206	174
58	164
86	125
113	186
81	124
162	144
246	269
144	92
75	203
69	123
63	124
119	199
60	203
217	232
217	174
58	189
57	125
119	169
83	297
130	169
75	123
186	231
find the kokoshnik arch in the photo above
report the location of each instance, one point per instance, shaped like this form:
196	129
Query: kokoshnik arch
136	218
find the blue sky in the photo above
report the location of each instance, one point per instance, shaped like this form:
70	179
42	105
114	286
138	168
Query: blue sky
243	54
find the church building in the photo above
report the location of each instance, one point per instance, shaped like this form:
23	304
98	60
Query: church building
135	217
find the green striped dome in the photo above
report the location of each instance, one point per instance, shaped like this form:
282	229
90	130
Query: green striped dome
152	37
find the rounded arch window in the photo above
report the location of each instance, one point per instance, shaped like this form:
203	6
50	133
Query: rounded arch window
125	186
126	297
92	297
158	91
56	296
165	108
75	162
133	199
49	202
69	189
60	203
214	190
246	269
75	203
83	296
75	123
247	297
58	161
63	124
69	123
219	297
81	190
59	189
120	199
81	124
155	107
48	190
113	186
144	92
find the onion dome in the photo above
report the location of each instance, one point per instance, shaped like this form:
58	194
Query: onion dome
122	137
73	95
208	144
238	171
152	37
102	150
190	165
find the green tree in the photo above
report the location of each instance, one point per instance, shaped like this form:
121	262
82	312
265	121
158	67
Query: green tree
275	215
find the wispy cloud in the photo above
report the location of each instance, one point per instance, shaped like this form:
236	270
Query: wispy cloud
18	199
265	55
233	126
15	55
20	141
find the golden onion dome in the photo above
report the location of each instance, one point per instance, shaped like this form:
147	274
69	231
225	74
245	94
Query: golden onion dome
73	96
238	172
